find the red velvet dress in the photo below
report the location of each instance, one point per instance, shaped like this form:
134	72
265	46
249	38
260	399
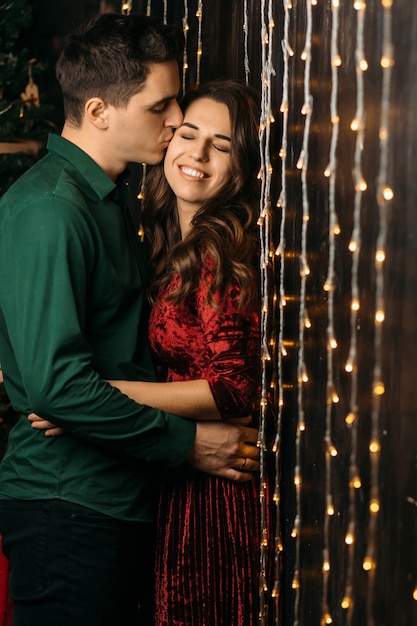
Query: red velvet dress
207	558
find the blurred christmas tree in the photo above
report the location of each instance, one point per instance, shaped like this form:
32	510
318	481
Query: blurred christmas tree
24	119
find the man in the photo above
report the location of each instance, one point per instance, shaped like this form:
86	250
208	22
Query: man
76	511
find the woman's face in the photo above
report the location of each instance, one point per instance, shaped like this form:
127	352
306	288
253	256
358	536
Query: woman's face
197	162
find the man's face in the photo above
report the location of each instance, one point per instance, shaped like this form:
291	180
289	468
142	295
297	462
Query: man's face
141	132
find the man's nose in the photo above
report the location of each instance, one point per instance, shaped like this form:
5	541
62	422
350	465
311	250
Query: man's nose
175	116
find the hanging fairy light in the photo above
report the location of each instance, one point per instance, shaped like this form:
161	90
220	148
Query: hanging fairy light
126	7
245	40
282	205
334	230
265	175
185	28
302	375
385	195
199	15
280	299
358	126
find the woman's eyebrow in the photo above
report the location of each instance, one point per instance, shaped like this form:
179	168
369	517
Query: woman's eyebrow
194	127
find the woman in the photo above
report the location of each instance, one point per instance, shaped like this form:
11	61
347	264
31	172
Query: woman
200	221
200	214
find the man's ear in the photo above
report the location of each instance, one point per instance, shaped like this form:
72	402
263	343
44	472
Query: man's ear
96	112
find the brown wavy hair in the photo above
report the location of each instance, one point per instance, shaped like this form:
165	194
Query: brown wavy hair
225	227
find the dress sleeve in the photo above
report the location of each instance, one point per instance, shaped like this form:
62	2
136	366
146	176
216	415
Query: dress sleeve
231	336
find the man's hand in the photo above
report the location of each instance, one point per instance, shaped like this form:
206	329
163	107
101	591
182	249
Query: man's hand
225	449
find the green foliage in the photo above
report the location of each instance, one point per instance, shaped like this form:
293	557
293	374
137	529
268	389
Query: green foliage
14	15
20	120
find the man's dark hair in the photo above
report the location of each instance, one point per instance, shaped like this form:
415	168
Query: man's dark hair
109	58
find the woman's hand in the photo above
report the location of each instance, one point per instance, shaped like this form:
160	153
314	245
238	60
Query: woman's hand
38	423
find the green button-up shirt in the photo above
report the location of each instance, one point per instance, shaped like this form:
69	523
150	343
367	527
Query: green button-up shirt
72	280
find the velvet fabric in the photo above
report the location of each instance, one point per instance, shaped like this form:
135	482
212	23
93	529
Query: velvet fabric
209	528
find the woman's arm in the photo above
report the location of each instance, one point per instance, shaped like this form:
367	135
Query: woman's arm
189	398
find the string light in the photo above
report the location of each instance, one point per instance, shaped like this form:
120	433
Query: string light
185	28
358	126
199	14
126	7
385	195
266	257
245	40
334	230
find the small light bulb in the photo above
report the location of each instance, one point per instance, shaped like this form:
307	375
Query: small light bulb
388	193
374	506
379	316
350	418
380	256
374	447
354	125
368	564
386	61
383	133
379	389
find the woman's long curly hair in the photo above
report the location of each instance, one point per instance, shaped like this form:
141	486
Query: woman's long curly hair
225	227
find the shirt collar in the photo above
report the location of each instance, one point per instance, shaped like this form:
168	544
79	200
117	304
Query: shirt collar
94	175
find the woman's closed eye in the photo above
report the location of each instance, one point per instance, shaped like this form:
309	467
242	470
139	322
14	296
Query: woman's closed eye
218	147
225	149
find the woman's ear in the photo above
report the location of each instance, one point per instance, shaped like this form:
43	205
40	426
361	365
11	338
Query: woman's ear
96	112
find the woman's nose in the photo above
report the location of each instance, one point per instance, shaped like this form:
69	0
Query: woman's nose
199	151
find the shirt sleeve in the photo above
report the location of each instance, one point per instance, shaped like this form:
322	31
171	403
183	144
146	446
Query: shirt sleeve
45	309
232	337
